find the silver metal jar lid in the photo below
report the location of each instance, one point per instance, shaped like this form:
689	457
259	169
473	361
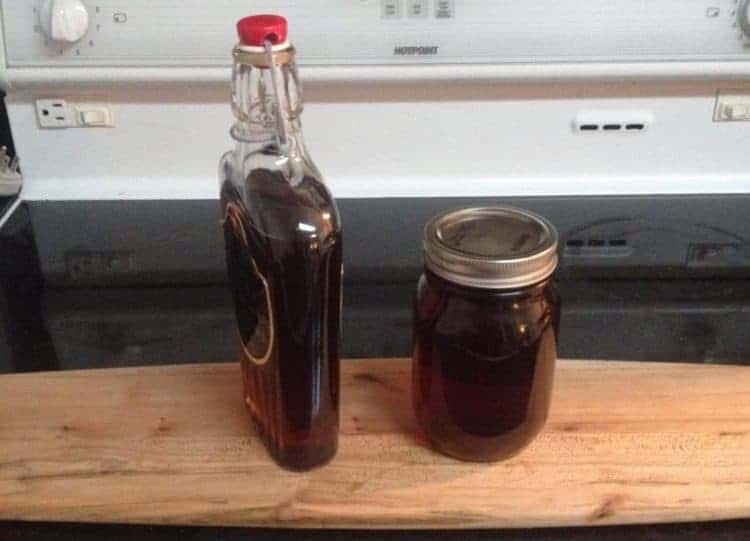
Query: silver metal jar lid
491	247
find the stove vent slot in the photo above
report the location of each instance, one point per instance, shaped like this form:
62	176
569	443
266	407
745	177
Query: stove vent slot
597	247
611	122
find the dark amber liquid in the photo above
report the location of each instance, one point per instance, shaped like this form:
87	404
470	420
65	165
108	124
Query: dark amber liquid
283	250
483	366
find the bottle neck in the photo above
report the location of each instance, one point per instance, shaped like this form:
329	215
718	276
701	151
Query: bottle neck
267	100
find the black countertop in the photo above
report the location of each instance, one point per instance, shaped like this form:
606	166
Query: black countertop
735	530
47	328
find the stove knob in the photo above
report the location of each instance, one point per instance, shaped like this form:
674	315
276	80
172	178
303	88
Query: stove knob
744	17
64	20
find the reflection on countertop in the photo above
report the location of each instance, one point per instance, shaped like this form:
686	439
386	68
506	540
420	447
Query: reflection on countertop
692	321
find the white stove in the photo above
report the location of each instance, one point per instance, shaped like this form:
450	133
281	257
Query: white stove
404	98
626	122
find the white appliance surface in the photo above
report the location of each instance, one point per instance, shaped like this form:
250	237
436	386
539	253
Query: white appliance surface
485	99
194	32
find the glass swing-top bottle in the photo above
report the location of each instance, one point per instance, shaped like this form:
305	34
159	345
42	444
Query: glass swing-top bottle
283	252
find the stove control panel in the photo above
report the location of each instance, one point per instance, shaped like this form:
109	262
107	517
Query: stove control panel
140	33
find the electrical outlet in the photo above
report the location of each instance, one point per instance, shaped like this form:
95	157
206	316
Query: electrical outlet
54	114
57	114
732	107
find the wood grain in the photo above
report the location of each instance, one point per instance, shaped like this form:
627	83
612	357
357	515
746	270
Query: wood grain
625	443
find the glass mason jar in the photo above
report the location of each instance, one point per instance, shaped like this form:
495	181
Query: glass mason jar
283	253
486	321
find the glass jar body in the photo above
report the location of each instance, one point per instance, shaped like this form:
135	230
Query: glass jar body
483	365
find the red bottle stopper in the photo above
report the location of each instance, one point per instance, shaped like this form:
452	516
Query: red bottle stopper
255	30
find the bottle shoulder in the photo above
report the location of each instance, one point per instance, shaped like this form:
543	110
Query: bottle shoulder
297	211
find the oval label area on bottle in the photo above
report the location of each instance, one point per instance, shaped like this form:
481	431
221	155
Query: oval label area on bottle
250	289
258	343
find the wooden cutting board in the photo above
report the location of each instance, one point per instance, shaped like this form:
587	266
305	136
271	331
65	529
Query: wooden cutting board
625	443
